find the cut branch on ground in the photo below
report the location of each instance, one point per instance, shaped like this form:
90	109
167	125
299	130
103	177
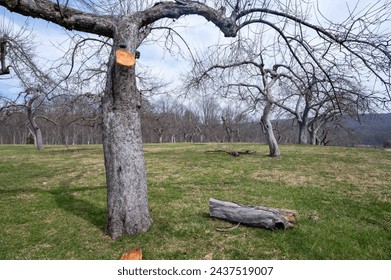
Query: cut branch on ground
253	216
233	153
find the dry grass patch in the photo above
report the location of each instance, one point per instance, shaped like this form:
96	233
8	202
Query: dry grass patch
291	178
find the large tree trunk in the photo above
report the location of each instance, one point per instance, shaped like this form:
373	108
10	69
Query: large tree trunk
228	130
34	128
38	139
313	137
37	134
127	198
274	150
303	129
314	130
255	216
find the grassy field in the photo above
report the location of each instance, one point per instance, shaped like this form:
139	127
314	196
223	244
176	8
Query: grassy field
52	203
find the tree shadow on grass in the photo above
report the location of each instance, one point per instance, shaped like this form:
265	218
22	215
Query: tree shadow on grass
67	200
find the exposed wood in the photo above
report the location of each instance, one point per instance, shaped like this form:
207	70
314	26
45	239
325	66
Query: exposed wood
136	254
125	58
255	216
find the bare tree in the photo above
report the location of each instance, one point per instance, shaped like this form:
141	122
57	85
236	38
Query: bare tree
32	109
208	109
233	117
67	120
13	124
33	126
159	118
17	52
313	102
249	80
128	23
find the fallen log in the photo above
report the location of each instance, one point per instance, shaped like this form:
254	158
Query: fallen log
254	216
234	153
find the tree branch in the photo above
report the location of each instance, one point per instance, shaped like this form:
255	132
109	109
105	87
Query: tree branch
175	10
69	18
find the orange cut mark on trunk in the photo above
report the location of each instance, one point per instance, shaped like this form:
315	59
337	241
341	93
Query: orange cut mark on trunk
125	58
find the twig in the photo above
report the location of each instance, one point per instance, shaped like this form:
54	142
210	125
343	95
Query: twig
230	228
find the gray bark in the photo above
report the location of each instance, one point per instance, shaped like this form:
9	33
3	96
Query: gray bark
313	137
127	198
4	69
255	216
274	150
34	128
303	132
37	135
38	139
228	130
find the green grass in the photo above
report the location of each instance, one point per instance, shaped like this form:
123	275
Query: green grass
52	203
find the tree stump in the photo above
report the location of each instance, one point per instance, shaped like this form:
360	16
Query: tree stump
254	216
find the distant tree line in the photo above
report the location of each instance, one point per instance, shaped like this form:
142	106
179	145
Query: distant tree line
68	120
64	120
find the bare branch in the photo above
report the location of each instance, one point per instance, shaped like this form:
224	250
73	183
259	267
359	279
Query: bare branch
67	17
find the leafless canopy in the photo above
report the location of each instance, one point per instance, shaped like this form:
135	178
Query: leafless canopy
360	42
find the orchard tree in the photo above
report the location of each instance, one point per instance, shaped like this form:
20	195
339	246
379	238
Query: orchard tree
315	102
128	23
17	52
244	77
32	108
35	130
232	118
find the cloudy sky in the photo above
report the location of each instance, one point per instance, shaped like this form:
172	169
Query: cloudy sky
198	33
